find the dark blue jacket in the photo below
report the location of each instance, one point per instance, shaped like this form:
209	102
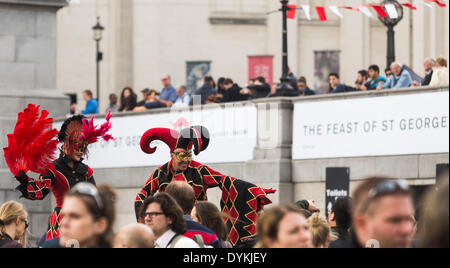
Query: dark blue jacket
233	94
309	92
205	91
339	89
195	228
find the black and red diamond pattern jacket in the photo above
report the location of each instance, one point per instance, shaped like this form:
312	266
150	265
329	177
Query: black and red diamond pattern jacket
240	200
59	179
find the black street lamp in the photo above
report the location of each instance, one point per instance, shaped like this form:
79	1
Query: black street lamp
390	24
98	30
285	88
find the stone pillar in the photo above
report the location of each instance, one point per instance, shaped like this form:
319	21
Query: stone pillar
27	75
124	41
272	163
351	44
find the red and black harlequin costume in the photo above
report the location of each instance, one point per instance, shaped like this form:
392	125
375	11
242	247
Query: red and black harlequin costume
240	200
32	147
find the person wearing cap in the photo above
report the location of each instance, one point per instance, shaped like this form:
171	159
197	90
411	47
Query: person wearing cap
144	92
240	200
382	211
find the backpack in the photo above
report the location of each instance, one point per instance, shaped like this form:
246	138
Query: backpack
197	239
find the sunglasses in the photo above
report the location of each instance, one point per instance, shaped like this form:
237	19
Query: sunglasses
183	156
26	223
85	188
386	188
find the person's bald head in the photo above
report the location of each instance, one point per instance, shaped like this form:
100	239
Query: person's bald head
396	68
184	194
135	236
428	64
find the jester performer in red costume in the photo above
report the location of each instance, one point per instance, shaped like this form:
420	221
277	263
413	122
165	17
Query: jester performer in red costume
33	146
240	200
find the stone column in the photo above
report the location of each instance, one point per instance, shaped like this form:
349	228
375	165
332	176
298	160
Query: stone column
124	49
272	163
27	75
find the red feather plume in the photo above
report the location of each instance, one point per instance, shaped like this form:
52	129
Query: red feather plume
33	144
91	134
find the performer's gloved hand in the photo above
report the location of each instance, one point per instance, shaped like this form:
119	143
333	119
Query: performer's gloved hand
22	178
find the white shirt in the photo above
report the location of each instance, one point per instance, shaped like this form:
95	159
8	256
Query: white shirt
164	240
184	242
440	77
182	101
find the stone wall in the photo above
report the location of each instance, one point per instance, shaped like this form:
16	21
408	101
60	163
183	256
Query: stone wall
27	75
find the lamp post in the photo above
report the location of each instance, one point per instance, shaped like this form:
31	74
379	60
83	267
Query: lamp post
285	88
98	31
390	23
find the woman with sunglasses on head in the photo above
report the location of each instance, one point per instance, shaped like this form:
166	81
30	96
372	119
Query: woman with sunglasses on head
89	215
13	225
242	199
32	148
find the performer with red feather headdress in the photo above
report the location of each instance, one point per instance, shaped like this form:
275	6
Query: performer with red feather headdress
241	200
33	147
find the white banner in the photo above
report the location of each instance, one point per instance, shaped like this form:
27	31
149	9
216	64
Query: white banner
376	126
232	129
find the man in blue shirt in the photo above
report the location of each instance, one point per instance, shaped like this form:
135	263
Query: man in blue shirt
168	94
377	81
400	78
91	103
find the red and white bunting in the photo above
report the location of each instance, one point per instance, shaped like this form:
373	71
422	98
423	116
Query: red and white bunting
425	4
380	11
366	11
306	10
321	13
292	10
441	4
387	10
335	10
409	6
392	12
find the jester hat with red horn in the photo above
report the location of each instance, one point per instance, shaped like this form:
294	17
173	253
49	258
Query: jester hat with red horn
195	136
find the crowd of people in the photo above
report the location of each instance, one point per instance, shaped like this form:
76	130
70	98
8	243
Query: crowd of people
380	213
226	90
172	210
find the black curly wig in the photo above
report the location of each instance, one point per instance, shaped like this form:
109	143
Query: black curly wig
62	133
